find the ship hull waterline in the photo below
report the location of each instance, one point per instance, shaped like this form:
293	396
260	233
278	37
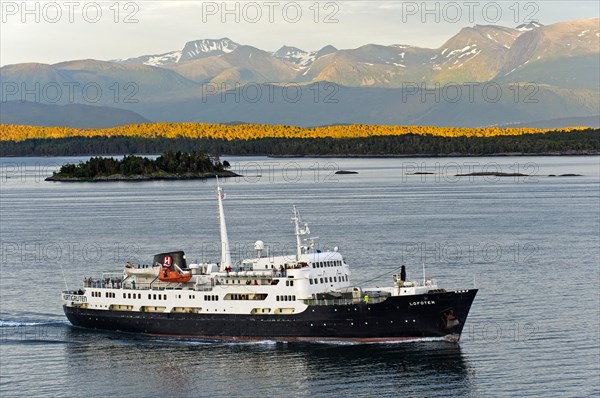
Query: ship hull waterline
398	318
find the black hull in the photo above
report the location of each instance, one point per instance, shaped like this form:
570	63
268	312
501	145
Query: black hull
397	318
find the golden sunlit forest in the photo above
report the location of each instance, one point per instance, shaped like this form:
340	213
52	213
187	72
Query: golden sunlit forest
254	131
255	139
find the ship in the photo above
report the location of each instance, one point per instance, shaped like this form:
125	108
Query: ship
306	296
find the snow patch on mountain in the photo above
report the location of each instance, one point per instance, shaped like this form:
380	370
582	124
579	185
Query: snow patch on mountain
526	27
296	56
206	48
164	59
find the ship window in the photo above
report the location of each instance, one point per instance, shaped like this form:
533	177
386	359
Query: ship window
335	278
293	298
128	295
149	296
310	281
330	279
321	279
277	298
123	295
164	297
291	283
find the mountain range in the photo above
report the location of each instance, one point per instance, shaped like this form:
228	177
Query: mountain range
483	75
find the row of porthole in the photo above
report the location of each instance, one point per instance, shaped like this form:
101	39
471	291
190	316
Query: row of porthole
153	297
325	264
366	323
286	298
331	279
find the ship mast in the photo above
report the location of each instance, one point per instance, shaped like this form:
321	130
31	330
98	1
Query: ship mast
225	252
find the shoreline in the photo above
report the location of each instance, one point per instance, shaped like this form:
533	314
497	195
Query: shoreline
140	178
358	156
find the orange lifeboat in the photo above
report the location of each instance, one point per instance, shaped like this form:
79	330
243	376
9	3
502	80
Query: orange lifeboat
166	274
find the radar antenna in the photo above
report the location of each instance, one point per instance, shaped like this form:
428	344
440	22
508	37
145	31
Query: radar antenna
299	232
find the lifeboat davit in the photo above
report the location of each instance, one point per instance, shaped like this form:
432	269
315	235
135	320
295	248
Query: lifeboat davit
133	270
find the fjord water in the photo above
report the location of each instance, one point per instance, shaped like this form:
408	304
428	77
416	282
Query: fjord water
530	244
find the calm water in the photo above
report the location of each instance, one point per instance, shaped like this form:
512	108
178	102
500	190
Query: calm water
530	244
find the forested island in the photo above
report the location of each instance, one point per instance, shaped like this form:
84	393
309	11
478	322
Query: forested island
169	166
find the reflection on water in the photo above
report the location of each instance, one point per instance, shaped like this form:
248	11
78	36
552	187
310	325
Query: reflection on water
183	367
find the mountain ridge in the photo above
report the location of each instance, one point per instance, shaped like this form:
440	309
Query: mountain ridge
555	67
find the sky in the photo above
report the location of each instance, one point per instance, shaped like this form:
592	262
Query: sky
56	31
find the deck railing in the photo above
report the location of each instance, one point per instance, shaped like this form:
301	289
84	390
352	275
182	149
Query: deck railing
343	301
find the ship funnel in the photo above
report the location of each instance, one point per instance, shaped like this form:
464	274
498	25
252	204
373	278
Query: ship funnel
403	273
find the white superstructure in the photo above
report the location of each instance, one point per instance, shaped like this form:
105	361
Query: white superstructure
260	285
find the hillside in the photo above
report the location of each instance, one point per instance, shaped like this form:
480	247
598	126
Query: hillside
484	75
